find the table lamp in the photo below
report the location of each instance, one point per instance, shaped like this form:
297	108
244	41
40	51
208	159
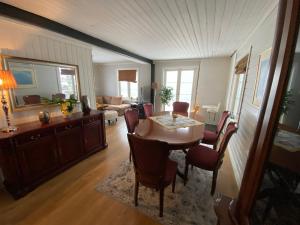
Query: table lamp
7	81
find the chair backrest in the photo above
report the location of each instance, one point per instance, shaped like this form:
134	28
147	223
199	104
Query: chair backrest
60	96
132	119
181	107
230	130
149	159
148	109
225	115
32	99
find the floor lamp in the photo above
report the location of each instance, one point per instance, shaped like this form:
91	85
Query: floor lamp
7	81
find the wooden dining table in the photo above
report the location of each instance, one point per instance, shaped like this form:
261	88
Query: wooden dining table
179	138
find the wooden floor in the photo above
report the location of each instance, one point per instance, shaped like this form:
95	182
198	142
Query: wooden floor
71	198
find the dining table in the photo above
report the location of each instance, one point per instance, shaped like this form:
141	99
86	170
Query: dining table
178	138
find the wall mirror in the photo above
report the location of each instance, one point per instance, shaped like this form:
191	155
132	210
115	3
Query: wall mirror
37	79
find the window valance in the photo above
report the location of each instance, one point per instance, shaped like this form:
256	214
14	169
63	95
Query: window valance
241	66
127	75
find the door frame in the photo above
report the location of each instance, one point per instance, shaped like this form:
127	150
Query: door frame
179	69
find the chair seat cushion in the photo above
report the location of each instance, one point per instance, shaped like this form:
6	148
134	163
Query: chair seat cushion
210	137
171	169
202	157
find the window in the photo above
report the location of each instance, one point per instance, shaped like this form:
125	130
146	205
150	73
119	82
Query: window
238	87
239	81
128	89
68	82
182	83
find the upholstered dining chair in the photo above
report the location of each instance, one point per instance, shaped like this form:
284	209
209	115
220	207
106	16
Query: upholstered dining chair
60	96
180	107
132	120
212	137
209	159
148	109
152	166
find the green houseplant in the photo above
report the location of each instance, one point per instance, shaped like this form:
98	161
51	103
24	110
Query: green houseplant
286	102
166	95
66	105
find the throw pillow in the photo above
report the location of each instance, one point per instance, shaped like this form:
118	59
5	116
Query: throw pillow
99	99
107	99
116	100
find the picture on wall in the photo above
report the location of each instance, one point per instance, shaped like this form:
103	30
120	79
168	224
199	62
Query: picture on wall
25	77
261	77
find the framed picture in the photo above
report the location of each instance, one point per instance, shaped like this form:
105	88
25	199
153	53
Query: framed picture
25	77
261	77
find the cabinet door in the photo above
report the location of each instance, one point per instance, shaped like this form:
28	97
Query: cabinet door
93	136
38	157
69	140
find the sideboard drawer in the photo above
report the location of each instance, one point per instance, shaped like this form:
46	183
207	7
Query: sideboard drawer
91	119
68	126
33	136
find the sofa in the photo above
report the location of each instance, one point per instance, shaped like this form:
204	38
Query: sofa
113	103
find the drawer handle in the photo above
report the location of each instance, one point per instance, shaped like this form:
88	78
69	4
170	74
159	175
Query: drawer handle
68	127
33	138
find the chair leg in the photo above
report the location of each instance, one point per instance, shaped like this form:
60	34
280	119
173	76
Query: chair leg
136	192
186	171
130	156
173	184
161	201
214	182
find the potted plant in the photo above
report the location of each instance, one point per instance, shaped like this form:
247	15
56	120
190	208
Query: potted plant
286	102
166	95
66	105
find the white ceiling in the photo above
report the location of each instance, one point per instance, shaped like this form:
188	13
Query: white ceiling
160	29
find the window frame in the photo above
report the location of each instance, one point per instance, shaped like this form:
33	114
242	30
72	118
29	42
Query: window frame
195	82
232	99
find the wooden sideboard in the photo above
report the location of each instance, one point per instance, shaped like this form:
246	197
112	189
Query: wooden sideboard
36	152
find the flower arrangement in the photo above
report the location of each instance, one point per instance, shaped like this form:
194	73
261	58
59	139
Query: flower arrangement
66	105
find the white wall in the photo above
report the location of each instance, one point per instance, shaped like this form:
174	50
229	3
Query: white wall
106	78
28	41
260	40
213	78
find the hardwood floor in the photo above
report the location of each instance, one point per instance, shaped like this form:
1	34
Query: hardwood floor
71	198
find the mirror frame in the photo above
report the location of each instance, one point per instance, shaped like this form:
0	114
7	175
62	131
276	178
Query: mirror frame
14	106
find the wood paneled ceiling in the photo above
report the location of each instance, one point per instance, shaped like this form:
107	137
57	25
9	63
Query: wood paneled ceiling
159	29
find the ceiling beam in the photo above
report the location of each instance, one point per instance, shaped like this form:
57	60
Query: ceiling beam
34	19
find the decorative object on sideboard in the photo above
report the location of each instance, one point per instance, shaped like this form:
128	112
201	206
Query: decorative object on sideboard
44	117
85	104
66	105
7	81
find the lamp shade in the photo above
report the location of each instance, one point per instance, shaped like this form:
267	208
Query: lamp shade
7	80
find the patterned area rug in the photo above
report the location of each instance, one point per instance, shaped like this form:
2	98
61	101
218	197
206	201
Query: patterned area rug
189	205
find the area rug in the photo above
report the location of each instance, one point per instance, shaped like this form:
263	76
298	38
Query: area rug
189	205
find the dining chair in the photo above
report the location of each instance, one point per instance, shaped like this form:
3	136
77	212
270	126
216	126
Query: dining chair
209	159
59	96
148	109
212	137
152	166
180	107
132	120
32	99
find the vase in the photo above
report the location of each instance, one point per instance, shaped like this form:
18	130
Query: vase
44	117
66	109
